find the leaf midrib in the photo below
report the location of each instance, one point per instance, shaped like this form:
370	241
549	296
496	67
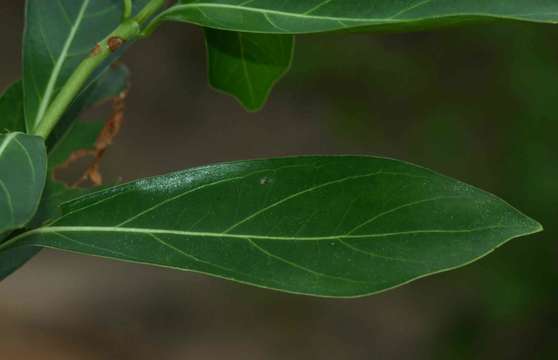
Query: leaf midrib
391	18
149	231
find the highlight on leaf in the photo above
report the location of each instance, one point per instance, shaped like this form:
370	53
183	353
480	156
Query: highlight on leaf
339	226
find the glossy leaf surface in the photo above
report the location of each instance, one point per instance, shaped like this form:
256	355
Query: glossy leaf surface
329	226
247	65
22	178
310	16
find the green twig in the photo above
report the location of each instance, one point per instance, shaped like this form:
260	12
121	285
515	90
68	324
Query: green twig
128	30
149	10
127	12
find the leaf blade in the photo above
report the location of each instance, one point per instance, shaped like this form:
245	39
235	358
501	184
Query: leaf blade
324	226
23	164
247	66
311	16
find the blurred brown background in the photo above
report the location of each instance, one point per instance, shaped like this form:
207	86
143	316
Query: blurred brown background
477	102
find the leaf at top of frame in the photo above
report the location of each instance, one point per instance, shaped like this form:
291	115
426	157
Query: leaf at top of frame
312	16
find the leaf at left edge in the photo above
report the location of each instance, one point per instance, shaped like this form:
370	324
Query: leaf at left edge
22	178
247	65
11	120
69	136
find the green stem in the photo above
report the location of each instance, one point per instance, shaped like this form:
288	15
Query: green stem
127	13
125	31
128	30
149	10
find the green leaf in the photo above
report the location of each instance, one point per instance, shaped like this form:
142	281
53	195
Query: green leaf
11	109
310	16
12	120
58	36
22	178
329	226
247	65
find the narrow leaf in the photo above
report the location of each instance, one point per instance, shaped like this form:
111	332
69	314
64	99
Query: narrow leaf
22	178
328	226
310	16
11	109
247	65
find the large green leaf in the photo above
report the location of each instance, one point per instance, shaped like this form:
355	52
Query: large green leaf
58	36
11	109
22	178
308	16
247	65
329	226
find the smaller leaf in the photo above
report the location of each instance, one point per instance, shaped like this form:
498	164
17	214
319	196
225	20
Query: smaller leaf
11	109
247	65
22	177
